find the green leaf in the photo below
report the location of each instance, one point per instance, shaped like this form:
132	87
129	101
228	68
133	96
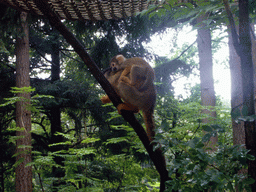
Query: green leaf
157	146
165	125
93	189
22	89
189	5
247	118
60	143
206	137
249	181
90	140
37	96
116	140
230	187
82	151
250	157
12	101
207	128
242	160
216	127
24	146
191	143
3	48
67	136
17	163
21	152
166	6
191	166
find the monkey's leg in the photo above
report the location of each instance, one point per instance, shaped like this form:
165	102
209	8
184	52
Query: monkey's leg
124	74
126	71
135	74
127	107
122	106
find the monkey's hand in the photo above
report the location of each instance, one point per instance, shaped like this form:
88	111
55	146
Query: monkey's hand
105	99
125	80
127	107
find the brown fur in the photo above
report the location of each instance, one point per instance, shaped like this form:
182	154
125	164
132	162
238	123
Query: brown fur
113	78
133	80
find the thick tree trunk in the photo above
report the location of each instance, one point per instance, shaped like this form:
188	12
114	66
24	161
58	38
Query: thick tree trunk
55	76
55	68
248	83
253	38
55	111
23	114
236	91
243	48
236	95
246	55
206	73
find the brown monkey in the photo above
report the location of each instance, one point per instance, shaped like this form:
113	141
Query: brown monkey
135	86
113	78
141	73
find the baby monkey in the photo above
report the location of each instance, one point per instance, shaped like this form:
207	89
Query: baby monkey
133	80
141	73
113	78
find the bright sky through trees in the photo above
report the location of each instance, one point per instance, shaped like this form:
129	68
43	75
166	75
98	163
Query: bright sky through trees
162	46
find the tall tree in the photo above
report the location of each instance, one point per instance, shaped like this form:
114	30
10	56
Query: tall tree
55	76
23	113
55	110
242	43
236	88
236	91
253	38
247	81
206	73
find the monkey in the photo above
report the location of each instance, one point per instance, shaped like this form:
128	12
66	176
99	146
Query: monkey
133	80
113	78
140	71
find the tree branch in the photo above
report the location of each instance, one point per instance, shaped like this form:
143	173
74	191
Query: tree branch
185	50
235	36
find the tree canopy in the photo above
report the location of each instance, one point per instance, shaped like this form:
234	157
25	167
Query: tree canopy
78	144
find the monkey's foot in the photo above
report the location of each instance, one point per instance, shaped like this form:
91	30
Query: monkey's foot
125	79
105	99
127	107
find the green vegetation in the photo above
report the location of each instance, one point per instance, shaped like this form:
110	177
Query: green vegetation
78	144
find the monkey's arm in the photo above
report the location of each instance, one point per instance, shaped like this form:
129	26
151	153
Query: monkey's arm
138	76
126	71
127	107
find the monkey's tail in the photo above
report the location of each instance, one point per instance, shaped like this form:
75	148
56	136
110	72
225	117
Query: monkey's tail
149	122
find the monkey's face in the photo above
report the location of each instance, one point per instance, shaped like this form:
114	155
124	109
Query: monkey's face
115	66
116	62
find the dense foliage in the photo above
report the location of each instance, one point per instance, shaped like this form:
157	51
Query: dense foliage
93	149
